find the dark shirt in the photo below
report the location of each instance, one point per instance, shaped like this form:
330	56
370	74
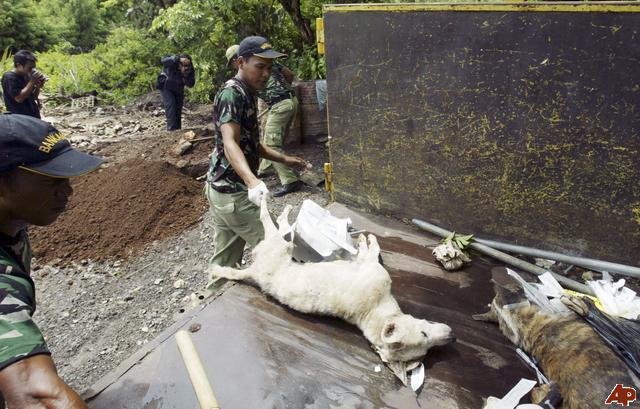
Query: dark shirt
235	102
12	84
173	78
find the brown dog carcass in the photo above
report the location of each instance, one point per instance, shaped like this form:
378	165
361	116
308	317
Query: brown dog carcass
358	291
568	350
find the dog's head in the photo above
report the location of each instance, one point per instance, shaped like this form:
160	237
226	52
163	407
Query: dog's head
407	339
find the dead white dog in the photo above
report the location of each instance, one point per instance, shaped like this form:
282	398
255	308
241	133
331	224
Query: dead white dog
358	291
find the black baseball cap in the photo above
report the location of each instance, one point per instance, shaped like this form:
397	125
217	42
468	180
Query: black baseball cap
256	45
35	145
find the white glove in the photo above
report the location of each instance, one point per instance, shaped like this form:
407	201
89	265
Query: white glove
256	193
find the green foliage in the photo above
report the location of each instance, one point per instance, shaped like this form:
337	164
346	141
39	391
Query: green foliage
462	242
135	13
124	67
68	74
86	28
308	65
205	28
21	28
6	63
129	62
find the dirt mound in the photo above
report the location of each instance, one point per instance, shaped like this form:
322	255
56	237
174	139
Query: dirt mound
118	210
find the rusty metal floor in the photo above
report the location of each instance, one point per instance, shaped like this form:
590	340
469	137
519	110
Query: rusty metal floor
259	354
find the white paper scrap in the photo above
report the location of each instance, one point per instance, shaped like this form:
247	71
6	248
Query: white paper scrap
552	287
523	387
417	377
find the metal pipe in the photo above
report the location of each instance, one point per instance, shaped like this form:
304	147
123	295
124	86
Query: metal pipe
514	261
589	263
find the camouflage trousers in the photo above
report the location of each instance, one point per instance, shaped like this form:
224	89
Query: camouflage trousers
236	221
278	121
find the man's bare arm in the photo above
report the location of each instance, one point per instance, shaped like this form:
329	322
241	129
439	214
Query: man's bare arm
33	383
231	140
25	92
272	154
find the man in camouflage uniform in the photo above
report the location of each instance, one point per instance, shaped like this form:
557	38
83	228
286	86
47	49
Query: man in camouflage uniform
35	164
282	104
233	190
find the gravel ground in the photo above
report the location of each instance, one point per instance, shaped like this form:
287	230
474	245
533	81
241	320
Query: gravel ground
96	314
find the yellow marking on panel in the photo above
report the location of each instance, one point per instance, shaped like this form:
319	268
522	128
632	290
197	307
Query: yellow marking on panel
320	35
602	7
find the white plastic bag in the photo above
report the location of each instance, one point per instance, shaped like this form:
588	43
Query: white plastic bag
323	232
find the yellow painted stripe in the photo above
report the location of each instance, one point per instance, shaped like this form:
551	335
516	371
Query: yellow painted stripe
320	35
54	176
601	7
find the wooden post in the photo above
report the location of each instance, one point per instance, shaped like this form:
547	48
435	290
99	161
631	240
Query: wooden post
198	376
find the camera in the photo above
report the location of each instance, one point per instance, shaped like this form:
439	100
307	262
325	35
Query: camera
39	76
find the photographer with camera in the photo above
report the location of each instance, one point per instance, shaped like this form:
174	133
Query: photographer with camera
177	71
21	86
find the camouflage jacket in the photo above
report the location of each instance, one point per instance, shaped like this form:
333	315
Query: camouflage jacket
234	103
277	88
19	336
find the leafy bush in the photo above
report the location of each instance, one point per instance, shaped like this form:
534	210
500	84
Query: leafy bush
205	28
123	67
308	65
128	63
68	74
21	28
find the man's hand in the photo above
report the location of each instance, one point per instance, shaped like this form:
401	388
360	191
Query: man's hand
295	162
34	383
38	78
257	192
185	66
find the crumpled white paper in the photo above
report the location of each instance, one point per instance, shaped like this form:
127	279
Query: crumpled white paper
616	299
450	256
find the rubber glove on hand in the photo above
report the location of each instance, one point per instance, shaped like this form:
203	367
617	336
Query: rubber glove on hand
257	192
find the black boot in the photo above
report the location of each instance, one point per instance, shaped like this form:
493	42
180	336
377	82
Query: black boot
288	188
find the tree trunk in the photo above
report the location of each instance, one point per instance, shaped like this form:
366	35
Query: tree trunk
292	7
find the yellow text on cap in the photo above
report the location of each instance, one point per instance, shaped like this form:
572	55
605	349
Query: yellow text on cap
49	142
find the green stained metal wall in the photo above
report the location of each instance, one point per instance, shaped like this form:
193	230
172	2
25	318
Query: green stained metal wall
515	124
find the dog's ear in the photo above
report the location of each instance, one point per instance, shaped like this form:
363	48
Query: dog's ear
391	335
389	329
